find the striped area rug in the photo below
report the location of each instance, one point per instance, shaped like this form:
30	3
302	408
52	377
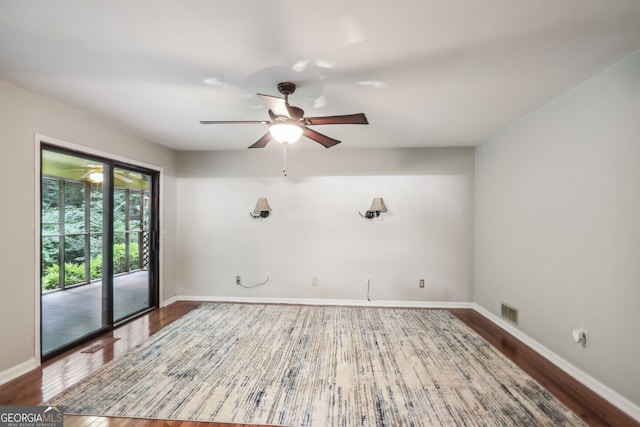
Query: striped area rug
318	366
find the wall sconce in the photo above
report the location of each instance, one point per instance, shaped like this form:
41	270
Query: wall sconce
262	208
377	206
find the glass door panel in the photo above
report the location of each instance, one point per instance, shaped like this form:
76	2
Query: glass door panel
72	226
132	277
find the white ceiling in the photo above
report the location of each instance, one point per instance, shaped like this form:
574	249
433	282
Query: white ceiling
426	73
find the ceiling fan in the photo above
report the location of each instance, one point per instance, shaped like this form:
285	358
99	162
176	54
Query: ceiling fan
288	123
95	175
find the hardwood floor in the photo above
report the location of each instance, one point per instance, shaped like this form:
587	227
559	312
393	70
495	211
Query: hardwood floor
67	369
593	409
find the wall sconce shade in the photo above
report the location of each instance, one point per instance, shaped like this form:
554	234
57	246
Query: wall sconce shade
285	132
262	208
377	206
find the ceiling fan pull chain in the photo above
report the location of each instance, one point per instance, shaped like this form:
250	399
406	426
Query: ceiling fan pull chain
284	158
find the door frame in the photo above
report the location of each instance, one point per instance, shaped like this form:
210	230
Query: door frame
157	182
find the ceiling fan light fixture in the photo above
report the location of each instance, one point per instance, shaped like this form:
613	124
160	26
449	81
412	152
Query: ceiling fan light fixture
285	132
96	177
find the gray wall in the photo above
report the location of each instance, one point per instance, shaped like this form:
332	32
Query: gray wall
558	225
24	114
315	229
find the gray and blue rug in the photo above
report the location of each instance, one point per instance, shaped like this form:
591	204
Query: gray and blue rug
318	366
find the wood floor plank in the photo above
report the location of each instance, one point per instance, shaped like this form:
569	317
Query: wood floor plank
67	369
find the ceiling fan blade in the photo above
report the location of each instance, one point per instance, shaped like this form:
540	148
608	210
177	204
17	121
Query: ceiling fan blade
228	122
92	169
122	178
262	142
276	104
348	119
321	139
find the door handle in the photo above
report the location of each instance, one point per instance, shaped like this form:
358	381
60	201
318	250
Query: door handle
155	240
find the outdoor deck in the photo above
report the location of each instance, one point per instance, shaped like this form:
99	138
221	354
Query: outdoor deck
73	313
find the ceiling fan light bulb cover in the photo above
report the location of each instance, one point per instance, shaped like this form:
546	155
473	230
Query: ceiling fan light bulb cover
285	132
96	177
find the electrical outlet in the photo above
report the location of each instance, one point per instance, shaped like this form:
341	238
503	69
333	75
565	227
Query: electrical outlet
269	276
314	281
580	336
421	283
238	280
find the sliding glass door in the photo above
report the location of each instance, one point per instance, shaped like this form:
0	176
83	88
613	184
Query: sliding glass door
98	245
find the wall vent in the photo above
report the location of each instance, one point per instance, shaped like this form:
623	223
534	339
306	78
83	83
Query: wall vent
510	313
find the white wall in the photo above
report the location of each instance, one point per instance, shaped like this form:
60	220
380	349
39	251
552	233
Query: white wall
315	230
558	225
22	115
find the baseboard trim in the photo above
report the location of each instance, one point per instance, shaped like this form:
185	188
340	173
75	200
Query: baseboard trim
18	370
602	390
341	302
169	301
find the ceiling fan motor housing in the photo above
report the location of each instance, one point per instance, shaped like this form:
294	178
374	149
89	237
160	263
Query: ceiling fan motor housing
286	88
